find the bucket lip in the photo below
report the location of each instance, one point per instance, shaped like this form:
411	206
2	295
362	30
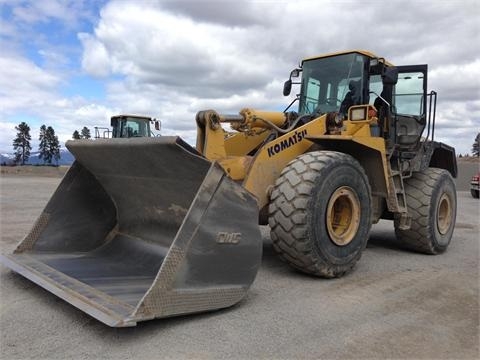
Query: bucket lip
19	264
133	140
177	141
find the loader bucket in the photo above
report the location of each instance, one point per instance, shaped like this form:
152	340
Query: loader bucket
143	228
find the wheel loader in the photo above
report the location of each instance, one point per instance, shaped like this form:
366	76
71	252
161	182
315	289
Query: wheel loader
155	227
126	126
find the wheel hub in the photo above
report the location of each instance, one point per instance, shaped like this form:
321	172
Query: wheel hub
343	216
444	214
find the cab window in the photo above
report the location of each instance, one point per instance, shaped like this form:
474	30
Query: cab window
408	96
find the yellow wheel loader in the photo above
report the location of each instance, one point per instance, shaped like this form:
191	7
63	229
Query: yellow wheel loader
126	126
144	228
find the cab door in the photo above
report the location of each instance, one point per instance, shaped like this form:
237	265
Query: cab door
409	110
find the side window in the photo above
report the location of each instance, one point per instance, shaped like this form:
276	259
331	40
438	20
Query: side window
313	92
408	95
376	87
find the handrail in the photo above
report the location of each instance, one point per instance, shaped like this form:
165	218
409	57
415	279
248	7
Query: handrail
431	117
106	131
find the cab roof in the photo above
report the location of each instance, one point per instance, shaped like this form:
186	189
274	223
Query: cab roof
132	116
363	52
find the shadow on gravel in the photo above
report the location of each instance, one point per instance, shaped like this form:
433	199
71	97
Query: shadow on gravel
386	242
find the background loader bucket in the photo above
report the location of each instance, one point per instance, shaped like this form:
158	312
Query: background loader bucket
143	228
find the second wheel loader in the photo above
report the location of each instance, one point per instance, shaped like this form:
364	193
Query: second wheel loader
154	227
127	126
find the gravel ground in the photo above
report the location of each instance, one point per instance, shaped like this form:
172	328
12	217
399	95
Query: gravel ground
396	304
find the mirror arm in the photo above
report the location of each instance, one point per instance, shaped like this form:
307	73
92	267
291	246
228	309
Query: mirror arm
291	103
381	98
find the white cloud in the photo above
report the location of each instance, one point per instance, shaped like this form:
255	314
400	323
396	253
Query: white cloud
169	59
32	92
24	84
174	66
177	57
7	29
155	47
7	134
95	59
457	81
68	11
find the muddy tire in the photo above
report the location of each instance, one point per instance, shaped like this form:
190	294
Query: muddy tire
432	204
320	212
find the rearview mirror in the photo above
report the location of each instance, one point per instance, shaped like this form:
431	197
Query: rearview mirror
157	125
287	87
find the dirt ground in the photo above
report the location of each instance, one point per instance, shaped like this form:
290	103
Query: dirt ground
396	304
30	170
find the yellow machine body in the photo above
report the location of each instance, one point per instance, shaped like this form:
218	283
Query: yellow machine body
258	172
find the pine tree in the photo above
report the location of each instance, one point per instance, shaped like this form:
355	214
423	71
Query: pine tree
86	133
475	146
53	145
76	135
43	147
21	144
49	147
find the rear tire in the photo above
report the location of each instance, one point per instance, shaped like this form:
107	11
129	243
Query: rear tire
320	213
475	193
432	204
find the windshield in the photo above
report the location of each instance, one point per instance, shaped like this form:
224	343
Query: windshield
132	127
332	84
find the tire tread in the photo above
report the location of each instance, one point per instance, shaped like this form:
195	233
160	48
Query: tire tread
419	189
288	213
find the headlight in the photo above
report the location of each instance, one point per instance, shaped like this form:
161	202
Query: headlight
357	114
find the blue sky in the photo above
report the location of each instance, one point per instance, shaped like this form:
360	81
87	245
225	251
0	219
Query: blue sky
75	63
43	37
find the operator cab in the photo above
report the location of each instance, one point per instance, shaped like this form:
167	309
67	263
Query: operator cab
332	84
126	126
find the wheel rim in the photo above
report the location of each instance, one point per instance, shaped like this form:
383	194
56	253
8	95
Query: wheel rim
343	216
444	214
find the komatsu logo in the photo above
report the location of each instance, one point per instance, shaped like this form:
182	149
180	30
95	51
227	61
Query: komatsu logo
228	238
285	144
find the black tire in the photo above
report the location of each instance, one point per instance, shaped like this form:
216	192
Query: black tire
432	204
311	194
475	193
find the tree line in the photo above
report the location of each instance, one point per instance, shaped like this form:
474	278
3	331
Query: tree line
49	147
83	134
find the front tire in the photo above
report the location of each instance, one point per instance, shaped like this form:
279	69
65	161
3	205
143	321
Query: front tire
432	204
320	213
